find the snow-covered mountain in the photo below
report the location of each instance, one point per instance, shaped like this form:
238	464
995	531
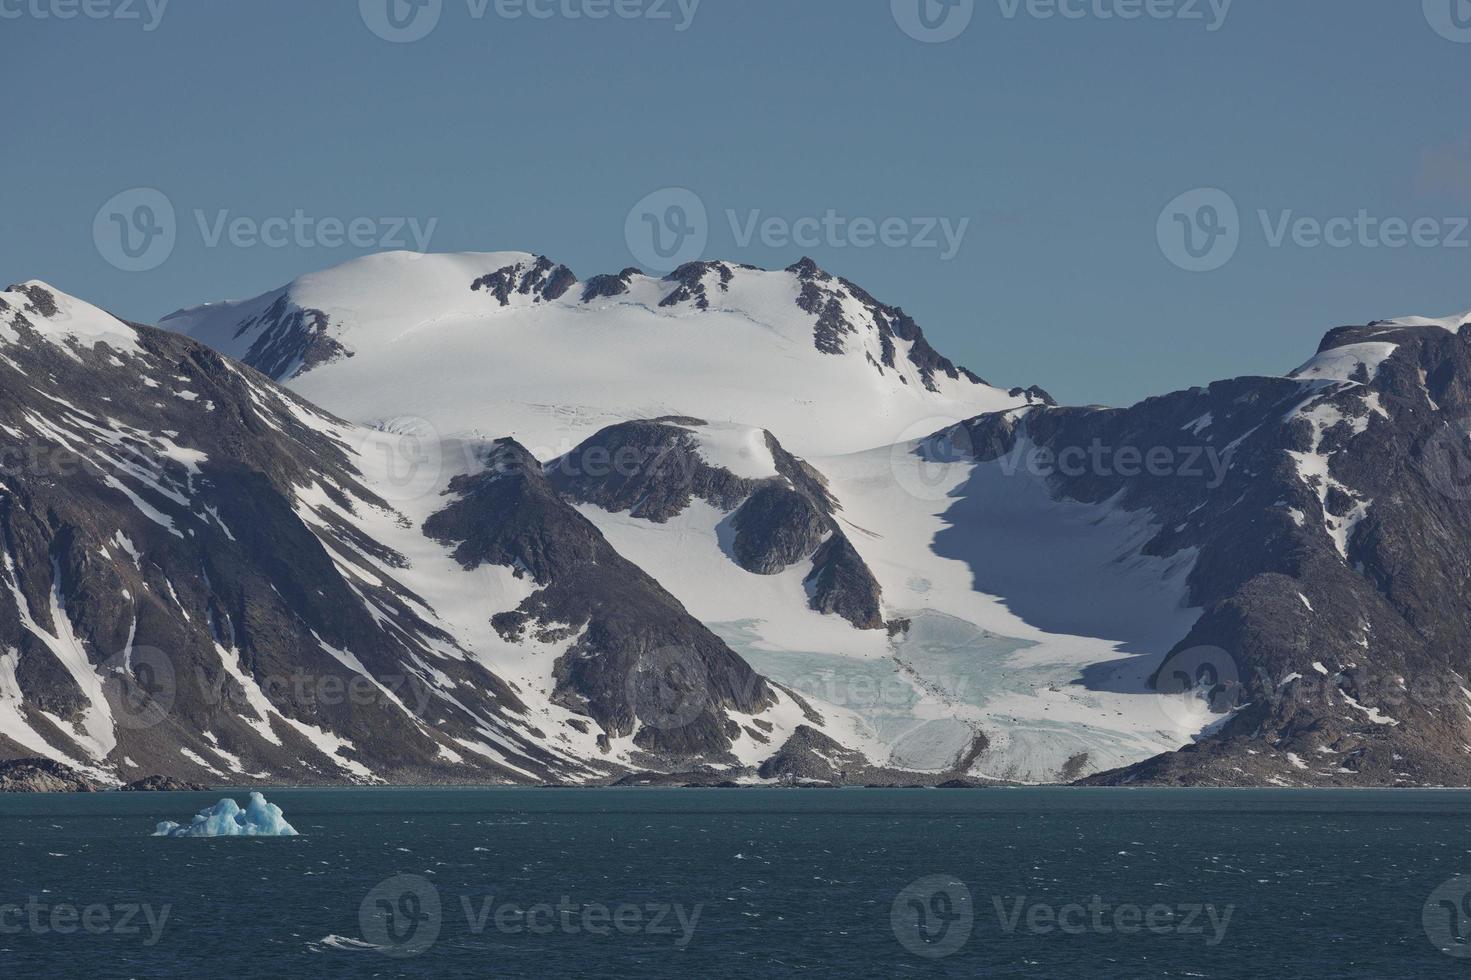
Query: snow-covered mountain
515	344
205	576
731	523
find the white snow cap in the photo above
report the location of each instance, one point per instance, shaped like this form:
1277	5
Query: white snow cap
551	371
70	321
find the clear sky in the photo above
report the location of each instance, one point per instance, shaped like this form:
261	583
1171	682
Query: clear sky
512	124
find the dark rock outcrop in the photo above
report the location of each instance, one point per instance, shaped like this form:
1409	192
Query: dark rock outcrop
163	784
822	295
606	286
42	776
653	470
542	280
640	661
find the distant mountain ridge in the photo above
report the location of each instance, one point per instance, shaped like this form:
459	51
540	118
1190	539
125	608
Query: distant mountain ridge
797	351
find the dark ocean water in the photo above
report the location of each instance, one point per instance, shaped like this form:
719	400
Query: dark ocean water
719	883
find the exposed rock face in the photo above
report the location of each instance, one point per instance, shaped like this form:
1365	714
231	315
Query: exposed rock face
163	784
653	470
607	286
639	656
165	606
541	280
809	754
1329	513
841	584
696	280
291	340
42	776
777	527
844	309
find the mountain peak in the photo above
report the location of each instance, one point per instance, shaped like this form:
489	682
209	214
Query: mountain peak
45	311
810	356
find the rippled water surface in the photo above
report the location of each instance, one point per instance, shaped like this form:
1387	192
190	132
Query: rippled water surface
678	883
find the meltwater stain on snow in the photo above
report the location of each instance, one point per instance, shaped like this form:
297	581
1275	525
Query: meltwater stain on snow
227	819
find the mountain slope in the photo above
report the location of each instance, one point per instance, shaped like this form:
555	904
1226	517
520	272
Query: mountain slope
1332	568
206	577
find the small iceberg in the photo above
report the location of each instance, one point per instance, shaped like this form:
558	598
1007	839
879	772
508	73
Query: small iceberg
226	819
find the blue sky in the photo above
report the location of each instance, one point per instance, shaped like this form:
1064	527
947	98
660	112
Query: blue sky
1056	143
